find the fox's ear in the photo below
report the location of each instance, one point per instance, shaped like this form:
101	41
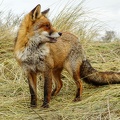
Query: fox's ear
36	12
45	12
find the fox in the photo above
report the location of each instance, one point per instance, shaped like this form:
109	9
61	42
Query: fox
40	48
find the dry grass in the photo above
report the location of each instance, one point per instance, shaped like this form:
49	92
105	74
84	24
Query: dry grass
99	103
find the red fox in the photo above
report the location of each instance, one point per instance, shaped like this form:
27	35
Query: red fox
39	47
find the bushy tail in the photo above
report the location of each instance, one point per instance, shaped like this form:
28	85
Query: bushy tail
92	76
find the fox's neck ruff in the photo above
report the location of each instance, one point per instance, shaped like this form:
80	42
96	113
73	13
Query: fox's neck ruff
34	55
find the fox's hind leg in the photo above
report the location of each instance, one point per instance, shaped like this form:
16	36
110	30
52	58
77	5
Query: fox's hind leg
73	67
58	81
32	80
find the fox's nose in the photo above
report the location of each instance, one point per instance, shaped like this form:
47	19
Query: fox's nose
60	33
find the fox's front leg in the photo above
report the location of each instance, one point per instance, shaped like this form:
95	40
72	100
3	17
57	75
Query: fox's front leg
47	88
32	80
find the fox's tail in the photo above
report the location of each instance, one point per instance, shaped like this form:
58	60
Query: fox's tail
92	76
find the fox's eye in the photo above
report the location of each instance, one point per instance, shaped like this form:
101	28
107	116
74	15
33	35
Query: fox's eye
47	26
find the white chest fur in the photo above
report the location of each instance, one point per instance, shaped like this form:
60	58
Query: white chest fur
33	56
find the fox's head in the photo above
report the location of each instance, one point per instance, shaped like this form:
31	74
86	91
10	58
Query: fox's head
40	22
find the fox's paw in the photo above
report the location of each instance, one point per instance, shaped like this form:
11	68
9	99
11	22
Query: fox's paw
45	105
33	106
77	99
33	103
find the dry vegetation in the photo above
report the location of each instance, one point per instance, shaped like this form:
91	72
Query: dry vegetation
99	103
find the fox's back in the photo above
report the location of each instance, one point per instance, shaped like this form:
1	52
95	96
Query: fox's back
64	46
